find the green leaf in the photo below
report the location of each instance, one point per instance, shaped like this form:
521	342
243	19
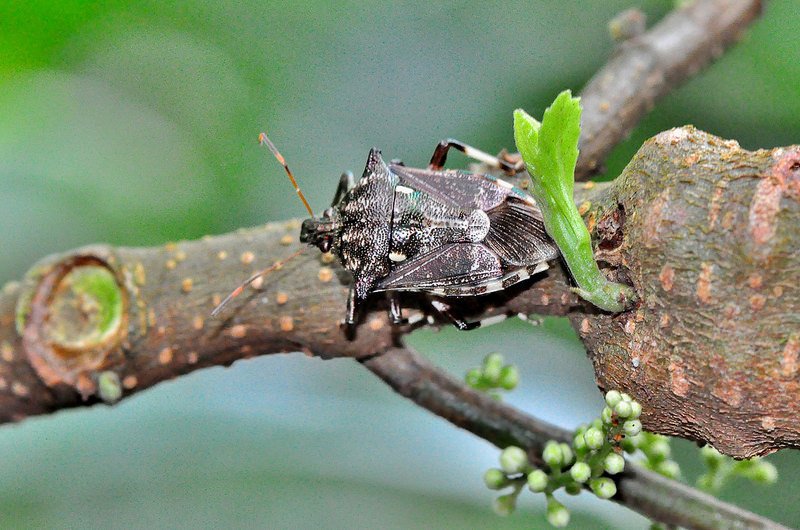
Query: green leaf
550	152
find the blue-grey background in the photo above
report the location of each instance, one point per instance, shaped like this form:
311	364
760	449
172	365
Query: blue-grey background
135	123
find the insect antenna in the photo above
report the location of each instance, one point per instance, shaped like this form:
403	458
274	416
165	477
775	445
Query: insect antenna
236	292
264	140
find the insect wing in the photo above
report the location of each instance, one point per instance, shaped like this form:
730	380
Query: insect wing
448	265
456	189
517	234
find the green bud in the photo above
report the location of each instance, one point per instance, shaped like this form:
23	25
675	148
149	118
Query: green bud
763	473
567	456
579	443
505	504
553	455
623	409
513	460
474	378
629	444
603	487
109	387
626	397
632	427
509	377
557	514
580	472
669	469
573	488
594	438
607	415
495	479
492	365
537	481
613	397
636	410
597	423
711	456
614	464
658	449
706	483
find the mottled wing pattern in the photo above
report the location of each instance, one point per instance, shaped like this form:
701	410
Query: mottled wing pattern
448	265
517	235
456	189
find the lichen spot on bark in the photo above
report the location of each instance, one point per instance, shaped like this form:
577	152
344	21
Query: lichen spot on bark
791	356
667	277
325	274
757	302
704	282
768	423
754	281
19	389
165	355
6	351
238	331
678	382
286	323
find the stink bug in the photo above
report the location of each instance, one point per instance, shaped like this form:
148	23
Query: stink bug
447	233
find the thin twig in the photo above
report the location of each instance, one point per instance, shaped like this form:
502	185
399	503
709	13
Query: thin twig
656	497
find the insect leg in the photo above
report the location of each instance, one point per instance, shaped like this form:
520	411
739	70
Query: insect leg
446	310
395	311
352	308
440	156
346	183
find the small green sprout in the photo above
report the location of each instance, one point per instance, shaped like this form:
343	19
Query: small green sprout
493	375
720	469
550	152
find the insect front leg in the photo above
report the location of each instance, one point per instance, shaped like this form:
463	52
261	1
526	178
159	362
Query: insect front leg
346	183
440	156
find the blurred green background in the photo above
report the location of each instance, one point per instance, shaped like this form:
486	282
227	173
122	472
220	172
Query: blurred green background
135	123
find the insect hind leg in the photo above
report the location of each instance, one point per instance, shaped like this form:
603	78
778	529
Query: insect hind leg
440	157
446	310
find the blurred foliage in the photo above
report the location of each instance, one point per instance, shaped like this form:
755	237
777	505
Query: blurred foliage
135	123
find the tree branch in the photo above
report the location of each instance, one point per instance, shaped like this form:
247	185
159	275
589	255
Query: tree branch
652	495
649	66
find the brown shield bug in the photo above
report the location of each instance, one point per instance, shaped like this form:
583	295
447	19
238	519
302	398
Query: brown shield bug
448	233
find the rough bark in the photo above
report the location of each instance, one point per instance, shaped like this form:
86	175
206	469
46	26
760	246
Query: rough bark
709	239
